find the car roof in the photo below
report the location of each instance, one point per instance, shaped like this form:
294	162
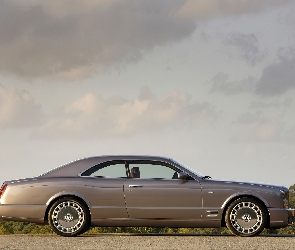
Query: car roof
76	167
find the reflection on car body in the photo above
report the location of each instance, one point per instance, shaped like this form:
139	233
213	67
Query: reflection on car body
141	191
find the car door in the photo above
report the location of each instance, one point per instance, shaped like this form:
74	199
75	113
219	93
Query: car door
105	190
157	193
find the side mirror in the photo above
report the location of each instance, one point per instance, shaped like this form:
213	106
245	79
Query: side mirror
182	176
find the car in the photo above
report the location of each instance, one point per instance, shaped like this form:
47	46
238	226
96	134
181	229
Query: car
141	191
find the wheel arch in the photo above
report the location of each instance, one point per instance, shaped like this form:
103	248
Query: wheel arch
72	195
233	198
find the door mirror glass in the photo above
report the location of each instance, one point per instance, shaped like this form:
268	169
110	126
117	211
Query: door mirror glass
182	176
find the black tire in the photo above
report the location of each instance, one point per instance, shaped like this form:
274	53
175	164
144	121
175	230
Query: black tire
246	217
68	217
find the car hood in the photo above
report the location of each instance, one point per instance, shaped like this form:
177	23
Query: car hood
242	184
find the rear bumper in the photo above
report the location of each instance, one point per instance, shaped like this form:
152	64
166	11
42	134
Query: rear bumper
26	213
280	217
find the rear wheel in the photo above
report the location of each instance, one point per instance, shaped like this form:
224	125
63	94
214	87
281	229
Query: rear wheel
68	217
246	217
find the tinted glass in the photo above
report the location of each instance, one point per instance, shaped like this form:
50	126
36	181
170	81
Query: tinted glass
111	171
148	170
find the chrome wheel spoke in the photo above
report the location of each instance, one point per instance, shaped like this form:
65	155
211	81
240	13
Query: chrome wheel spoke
246	217
68	217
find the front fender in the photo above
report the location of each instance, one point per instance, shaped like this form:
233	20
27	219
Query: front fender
244	194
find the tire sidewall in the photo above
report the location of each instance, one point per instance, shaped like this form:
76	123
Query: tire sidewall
231	227
85	224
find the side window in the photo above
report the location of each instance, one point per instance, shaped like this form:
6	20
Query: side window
107	171
151	171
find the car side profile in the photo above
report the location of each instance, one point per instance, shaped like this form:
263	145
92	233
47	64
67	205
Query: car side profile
141	191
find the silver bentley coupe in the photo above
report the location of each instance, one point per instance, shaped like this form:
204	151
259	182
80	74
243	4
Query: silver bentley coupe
141	191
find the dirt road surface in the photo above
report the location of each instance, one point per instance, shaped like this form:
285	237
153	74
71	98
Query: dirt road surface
133	241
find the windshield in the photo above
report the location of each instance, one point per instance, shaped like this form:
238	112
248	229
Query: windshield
188	168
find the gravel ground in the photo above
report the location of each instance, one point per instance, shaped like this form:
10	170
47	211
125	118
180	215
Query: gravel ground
127	241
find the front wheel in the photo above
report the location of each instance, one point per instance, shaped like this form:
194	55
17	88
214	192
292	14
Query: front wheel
246	217
68	217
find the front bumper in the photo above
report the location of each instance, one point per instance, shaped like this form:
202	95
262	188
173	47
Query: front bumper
280	217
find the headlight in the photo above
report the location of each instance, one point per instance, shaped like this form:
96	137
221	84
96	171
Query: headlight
285	197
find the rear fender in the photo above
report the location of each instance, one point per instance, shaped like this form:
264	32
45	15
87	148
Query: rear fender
66	193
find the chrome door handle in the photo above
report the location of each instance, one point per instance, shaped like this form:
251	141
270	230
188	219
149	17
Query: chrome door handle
135	186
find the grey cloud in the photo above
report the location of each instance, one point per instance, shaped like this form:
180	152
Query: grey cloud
263	132
287	17
93	116
249	118
268	132
277	78
18	109
266	125
256	128
220	83
289	136
269	105
248	46
76	39
264	105
55	39
216	8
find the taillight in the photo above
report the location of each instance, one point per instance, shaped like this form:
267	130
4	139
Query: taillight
2	190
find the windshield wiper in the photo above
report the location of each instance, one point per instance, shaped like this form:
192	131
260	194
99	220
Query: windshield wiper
206	177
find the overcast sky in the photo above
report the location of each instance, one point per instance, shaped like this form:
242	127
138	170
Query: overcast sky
209	83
